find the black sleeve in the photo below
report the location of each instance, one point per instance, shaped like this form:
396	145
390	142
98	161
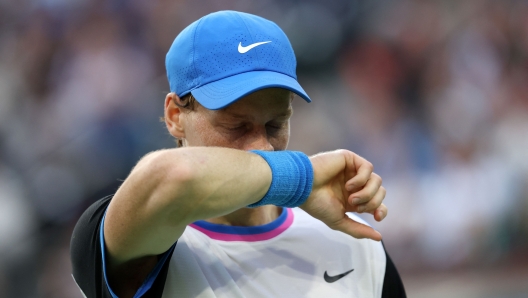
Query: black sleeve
87	258
392	283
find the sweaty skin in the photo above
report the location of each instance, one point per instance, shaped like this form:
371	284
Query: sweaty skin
214	178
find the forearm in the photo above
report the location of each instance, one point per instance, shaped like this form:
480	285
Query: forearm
169	189
216	180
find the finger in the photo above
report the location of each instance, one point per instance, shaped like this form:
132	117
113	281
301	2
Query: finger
363	170
356	229
373	203
380	213
368	192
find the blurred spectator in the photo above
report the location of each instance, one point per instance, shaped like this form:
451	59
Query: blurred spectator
434	93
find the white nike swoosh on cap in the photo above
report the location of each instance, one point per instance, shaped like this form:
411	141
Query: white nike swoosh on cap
243	50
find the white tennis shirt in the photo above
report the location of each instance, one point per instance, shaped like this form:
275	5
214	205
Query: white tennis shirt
286	258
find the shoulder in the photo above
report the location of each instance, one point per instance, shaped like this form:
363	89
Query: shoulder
90	219
85	250
86	231
87	228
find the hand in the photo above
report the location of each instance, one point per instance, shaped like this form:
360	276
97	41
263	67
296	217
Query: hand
344	182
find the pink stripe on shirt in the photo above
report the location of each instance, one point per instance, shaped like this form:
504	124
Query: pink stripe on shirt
251	237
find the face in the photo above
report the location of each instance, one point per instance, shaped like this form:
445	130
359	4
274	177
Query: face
259	121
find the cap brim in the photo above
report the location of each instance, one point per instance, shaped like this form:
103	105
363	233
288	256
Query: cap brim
219	94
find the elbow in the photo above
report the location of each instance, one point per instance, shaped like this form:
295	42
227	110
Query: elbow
164	181
181	174
169	168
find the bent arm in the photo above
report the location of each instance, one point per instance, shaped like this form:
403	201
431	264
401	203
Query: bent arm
169	189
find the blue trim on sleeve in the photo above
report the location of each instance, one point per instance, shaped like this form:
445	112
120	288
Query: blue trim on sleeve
101	240
236	230
147	284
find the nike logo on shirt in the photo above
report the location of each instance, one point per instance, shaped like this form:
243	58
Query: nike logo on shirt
243	50
331	279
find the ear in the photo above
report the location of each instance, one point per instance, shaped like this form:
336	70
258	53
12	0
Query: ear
174	116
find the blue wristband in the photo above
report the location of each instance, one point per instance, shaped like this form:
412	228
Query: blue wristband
292	178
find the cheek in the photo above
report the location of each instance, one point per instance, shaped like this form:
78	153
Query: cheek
280	141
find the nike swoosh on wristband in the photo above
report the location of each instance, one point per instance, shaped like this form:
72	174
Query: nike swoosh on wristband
331	279
243	50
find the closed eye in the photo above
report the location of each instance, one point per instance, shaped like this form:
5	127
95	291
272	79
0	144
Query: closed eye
234	126
275	127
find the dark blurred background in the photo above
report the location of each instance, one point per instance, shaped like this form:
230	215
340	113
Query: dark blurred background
434	93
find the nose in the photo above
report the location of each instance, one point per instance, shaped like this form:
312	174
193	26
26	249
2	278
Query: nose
258	139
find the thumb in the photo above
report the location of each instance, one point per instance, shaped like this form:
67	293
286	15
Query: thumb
356	229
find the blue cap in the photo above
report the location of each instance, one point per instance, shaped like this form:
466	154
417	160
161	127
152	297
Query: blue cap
227	55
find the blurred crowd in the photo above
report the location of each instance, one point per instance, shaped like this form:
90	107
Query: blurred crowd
433	93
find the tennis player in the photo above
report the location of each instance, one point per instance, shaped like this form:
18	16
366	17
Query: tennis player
216	217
